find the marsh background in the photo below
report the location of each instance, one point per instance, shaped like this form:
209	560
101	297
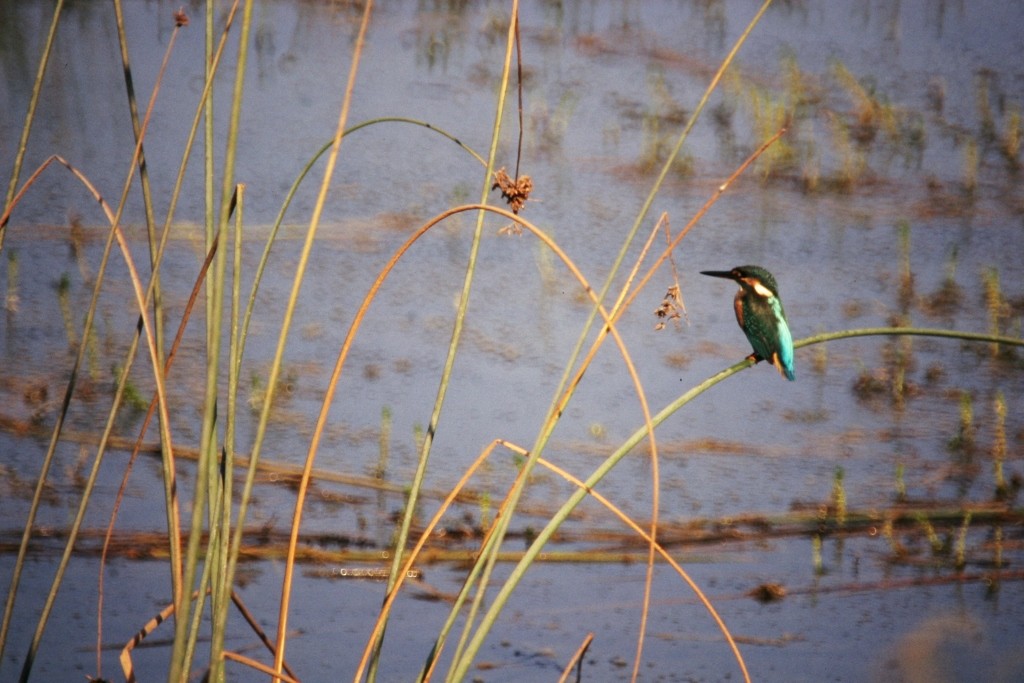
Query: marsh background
893	199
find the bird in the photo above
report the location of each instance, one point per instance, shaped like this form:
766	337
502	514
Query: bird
761	316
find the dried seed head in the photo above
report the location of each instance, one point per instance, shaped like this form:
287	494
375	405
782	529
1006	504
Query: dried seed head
515	192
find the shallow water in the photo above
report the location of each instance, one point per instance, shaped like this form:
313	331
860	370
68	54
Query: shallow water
606	86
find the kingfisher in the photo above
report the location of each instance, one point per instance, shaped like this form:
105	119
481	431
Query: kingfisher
761	316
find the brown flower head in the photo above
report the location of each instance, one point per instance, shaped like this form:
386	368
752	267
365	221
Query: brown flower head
515	192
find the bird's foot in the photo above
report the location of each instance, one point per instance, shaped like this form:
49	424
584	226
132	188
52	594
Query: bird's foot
754	359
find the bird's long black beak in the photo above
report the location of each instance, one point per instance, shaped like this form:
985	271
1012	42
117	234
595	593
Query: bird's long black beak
718	273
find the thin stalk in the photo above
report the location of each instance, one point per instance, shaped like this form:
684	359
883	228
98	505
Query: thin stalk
147	195
645	207
616	313
389	599
136	447
460	315
91	480
275	369
910	332
517	574
461	664
357	320
217	491
279	220
167	455
577	660
114	232
221	590
207	472
659	549
19	158
12	185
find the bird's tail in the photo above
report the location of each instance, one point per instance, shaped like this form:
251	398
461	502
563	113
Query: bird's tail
786	370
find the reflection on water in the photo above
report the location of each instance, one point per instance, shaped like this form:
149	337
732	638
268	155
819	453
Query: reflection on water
893	199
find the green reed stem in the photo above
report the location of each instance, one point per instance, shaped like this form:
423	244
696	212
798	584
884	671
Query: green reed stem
239	351
519	571
456	336
19	157
147	195
839	497
11	297
207	469
960	550
275	368
462	662
999	445
487	557
114	232
901	484
167	456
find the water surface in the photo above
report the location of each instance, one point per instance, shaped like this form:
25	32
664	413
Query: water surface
897	164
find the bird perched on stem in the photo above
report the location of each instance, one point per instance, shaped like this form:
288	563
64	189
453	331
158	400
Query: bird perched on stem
761	316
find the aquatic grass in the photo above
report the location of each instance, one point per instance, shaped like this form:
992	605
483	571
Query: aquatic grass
64	303
144	184
19	158
524	471
852	162
906	291
897	548
656	142
900	484
963	441
971	162
817	563
947	298
113	233
141	299
1010	139
902	363
11	298
997	548
960	547
982	98
548	125
770	110
870	127
995	305
903	132
867	113
839	497
512	42
938	546
211	564
384	444
999	446
132	396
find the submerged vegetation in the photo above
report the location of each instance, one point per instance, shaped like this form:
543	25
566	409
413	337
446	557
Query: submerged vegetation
200	388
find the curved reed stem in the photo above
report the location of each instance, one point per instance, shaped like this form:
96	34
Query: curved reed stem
275	368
